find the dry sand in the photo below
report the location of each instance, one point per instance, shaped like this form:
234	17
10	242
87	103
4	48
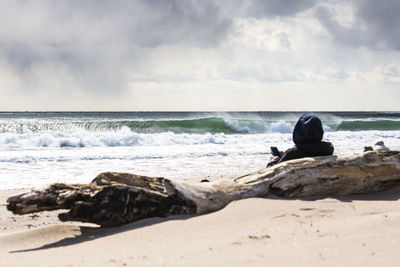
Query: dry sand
347	231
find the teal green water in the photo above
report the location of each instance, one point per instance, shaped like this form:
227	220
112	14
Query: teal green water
193	122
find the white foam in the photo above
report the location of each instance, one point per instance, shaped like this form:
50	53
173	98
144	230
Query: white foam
34	159
281	127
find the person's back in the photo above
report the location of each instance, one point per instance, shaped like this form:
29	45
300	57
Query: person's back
307	136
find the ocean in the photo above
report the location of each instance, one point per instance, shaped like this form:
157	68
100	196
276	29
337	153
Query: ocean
39	148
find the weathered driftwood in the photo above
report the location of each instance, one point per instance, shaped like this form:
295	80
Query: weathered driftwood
110	199
117	198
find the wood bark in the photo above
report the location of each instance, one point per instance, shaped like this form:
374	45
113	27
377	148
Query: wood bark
113	199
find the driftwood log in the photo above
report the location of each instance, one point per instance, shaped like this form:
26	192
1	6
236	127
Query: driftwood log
113	199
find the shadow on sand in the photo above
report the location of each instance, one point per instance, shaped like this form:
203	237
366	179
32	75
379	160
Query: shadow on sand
388	195
88	233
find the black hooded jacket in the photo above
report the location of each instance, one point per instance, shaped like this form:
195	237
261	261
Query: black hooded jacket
307	136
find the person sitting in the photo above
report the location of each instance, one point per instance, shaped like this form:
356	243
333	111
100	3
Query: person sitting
307	137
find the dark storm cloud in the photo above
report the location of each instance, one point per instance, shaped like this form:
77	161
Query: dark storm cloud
192	22
98	41
383	21
376	27
353	36
273	8
90	39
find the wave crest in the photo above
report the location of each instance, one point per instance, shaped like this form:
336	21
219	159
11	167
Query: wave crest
211	125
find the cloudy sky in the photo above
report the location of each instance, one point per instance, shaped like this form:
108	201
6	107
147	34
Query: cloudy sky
199	55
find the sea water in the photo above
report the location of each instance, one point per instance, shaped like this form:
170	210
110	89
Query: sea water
39	148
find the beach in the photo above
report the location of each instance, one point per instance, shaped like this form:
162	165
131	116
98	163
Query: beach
345	231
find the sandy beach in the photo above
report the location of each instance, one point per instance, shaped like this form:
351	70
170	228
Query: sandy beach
346	231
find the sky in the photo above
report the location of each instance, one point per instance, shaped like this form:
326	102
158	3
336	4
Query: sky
204	55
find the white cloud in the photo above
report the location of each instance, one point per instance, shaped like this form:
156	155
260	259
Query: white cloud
266	34
386	72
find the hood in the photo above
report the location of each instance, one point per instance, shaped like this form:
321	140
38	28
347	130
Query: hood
308	129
